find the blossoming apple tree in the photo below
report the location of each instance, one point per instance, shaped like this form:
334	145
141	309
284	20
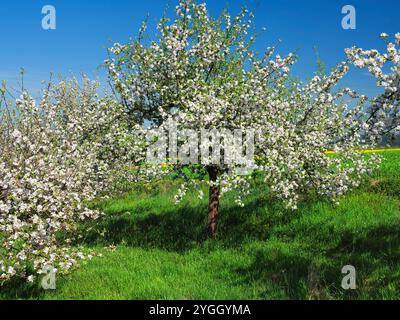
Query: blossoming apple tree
55	155
202	73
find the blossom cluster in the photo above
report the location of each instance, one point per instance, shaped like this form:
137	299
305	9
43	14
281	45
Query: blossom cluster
384	113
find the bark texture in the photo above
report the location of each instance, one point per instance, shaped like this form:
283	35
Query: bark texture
213	203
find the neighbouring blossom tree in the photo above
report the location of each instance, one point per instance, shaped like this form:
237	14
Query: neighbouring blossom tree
202	73
383	116
55	155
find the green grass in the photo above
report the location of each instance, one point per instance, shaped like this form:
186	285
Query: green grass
263	250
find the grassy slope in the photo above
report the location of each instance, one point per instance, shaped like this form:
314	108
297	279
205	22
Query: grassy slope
264	252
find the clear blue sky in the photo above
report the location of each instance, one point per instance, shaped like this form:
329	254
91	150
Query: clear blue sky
85	28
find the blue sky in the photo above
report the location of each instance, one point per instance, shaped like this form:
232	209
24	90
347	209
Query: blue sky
85	28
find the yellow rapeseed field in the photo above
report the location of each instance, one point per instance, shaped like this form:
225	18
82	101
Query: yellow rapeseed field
372	151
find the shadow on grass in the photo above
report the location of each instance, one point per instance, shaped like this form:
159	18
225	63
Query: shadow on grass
19	289
299	269
183	228
385	186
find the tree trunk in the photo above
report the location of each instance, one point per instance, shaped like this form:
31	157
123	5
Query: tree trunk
213	203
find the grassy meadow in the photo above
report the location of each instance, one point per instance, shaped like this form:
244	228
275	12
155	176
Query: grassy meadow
263	251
